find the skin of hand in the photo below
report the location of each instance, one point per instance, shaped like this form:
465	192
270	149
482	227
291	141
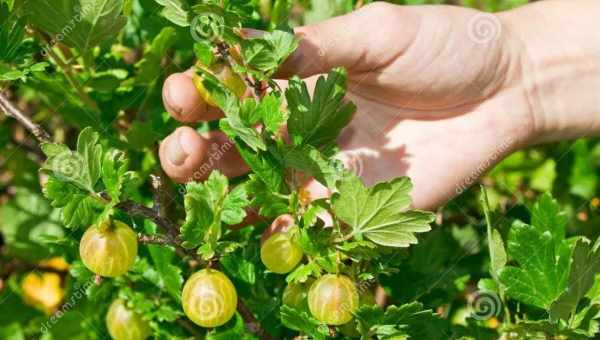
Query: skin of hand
443	93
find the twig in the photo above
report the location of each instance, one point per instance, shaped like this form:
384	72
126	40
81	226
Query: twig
251	323
35	129
190	328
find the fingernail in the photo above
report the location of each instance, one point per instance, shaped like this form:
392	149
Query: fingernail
175	152
168	98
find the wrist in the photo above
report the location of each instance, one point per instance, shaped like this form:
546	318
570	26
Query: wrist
558	57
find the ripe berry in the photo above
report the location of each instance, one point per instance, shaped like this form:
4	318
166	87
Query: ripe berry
209	298
125	324
332	299
108	249
280	253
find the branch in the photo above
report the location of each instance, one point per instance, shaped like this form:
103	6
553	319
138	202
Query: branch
12	111
185	323
251	323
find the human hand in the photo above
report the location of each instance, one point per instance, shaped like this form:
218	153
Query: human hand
440	93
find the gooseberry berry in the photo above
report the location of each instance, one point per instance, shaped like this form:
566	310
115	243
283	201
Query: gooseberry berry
124	324
280	253
209	298
225	75
109	248
332	299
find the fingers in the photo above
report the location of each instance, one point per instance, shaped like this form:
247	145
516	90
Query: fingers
357	41
187	156
182	101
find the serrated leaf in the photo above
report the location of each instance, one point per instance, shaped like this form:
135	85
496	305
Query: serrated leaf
309	160
269	51
234	211
171	278
78	208
264	165
380	213
543	271
302	322
198	216
318	121
91	153
83	24
585	265
175	11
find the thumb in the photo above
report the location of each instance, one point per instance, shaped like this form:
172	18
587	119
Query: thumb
360	41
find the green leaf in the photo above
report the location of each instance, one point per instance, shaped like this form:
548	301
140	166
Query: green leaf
271	114
264	165
198	216
233	211
543	270
91	152
233	125
83	24
318	121
269	51
310	160
269	204
380	213
12	33
171	278
78	208
546	216
175	11
204	53
585	266
408	319
149	68
207	205
302	322
115	174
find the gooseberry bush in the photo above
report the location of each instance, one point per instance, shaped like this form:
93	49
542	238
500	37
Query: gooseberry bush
97	242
